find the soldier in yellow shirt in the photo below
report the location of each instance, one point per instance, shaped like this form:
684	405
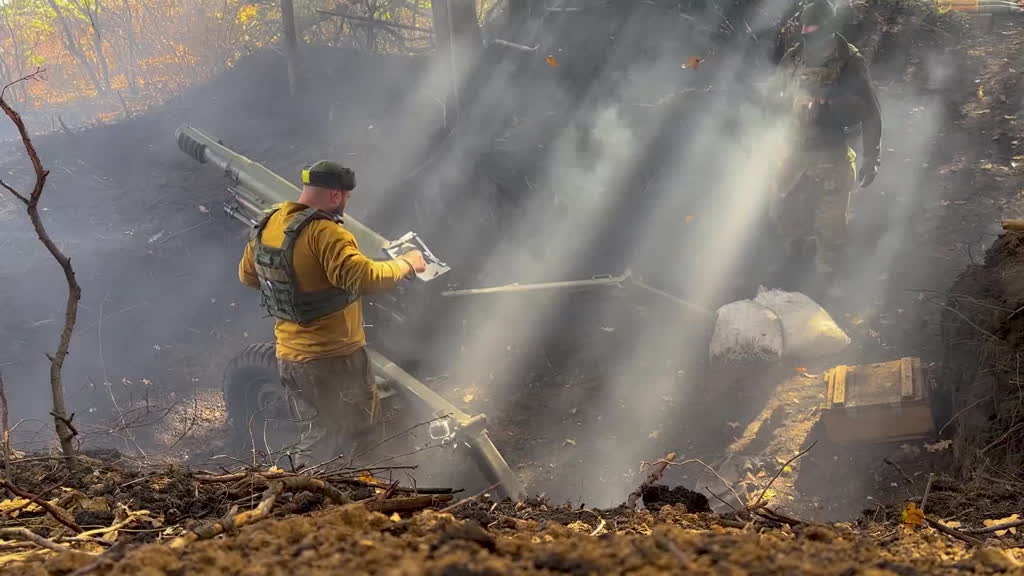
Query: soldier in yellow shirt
311	276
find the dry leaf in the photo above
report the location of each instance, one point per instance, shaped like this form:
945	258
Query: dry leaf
7	505
938	446
950	523
1010	518
368	478
468	397
912	515
693	62
580	527
551	61
981	91
801	370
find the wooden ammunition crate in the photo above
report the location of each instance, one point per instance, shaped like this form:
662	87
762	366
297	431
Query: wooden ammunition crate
876	403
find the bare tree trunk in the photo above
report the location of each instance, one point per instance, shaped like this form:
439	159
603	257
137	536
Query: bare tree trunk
72	46
15	69
291	43
92	13
459	43
65	431
133	50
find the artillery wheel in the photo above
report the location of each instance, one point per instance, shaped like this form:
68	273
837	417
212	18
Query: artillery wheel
256	402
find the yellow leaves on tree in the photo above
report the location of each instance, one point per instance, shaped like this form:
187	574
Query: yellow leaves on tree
912	515
246	13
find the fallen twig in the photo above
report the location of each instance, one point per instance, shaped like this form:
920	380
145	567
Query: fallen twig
132	517
26	534
954	533
401	489
760	502
232	521
411	504
719	498
776	516
28	503
226	478
473	497
927	491
996	528
655	474
732	523
60	515
899	469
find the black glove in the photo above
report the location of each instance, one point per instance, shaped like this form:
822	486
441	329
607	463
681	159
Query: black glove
868	172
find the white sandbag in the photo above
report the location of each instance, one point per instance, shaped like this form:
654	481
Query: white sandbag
745	330
808	330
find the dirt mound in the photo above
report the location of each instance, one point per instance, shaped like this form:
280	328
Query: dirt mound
438	543
984	335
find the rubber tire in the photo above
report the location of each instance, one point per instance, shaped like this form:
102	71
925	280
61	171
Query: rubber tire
245	374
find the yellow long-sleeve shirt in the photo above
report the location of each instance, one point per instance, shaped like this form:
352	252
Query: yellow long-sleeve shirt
325	255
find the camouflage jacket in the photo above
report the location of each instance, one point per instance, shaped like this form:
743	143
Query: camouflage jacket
831	100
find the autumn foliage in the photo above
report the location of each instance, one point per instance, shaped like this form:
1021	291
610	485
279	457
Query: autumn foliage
112	56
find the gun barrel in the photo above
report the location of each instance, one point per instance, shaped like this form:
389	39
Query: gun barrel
263	184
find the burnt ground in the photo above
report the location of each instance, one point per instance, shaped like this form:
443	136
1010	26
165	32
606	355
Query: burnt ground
162	311
481	536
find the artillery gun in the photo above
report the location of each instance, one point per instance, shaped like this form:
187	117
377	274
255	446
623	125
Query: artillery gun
252	388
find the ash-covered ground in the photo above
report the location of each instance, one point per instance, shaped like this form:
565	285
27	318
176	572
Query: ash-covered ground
617	158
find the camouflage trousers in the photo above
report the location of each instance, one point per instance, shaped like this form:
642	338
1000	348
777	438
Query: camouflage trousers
335	401
812	205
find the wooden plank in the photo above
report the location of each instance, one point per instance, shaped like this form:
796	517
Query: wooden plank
830	379
906	378
839	392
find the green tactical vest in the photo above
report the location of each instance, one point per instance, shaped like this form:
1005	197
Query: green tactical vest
278	287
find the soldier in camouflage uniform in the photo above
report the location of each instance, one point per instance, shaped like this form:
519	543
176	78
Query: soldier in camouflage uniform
828	94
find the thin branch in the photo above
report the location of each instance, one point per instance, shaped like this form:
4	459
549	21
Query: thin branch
6	431
374	22
968	320
954	533
713	471
14	192
471	498
653	476
277	487
995	528
960	413
37	75
927	491
760	499
26	534
58	514
74	290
